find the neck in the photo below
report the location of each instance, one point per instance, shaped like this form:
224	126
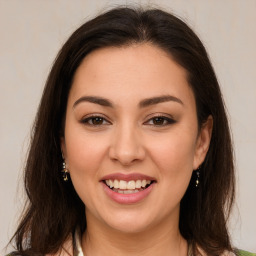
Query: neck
160	240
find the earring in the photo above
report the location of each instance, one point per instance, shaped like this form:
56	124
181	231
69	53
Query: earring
64	171
198	177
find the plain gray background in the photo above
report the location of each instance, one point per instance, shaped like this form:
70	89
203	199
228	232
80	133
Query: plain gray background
31	33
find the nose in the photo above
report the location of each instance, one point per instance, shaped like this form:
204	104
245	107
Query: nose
126	146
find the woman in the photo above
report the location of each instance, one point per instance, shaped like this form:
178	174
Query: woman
131	151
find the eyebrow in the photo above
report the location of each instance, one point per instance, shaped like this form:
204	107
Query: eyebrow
159	99
144	103
93	99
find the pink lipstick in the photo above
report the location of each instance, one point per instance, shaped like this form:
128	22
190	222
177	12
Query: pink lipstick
127	188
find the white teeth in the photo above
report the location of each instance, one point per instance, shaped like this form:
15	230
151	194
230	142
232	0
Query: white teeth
127	185
122	184
111	185
116	184
144	183
131	184
138	184
126	191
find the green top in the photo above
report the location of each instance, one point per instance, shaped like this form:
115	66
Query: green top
244	253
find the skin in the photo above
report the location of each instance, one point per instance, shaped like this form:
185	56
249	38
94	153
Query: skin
129	140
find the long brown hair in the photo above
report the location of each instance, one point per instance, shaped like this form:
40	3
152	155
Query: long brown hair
54	209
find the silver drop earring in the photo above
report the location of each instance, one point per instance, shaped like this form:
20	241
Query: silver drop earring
65	171
198	177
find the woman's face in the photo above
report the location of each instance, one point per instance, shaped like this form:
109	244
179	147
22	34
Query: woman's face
131	123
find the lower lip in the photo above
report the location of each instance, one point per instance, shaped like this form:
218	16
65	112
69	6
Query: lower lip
127	198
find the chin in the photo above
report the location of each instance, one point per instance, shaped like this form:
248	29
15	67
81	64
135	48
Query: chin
129	223
129	227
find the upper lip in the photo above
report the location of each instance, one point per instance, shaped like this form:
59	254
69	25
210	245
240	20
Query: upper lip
127	177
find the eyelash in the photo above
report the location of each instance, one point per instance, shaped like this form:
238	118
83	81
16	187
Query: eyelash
94	117
167	121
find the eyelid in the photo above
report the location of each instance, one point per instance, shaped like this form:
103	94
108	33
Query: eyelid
168	118
85	119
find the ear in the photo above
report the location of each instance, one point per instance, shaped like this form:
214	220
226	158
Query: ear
203	142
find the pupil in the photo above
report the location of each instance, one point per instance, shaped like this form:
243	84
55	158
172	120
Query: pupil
158	120
97	120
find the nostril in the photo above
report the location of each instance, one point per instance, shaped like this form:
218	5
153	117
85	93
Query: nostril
126	151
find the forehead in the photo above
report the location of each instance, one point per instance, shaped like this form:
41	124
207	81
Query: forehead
136	71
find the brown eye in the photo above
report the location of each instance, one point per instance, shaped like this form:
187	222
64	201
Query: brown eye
95	121
160	121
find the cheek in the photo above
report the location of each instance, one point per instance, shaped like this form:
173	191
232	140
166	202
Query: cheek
84	150
85	154
174	160
175	153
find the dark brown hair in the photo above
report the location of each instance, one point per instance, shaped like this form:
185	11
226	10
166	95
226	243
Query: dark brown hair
54	209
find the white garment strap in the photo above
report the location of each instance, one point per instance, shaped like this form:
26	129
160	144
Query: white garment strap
79	251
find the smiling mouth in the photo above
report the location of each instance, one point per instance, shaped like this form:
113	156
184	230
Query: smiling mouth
128	187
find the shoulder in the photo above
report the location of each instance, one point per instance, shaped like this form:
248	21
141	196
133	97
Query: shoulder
227	253
65	250
238	253
244	253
